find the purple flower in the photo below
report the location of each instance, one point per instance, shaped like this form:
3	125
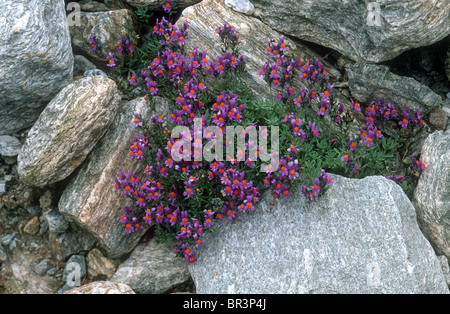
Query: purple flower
137	121
356	106
344	158
130	47
418	164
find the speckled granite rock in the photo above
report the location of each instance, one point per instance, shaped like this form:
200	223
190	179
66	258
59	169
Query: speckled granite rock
361	237
102	287
373	31
368	82
90	200
153	268
36	59
432	195
67	130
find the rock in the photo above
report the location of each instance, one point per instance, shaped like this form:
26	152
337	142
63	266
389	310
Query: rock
67	130
76	242
9	146
432	194
361	237
445	268
32	226
157	5
102	287
42	268
99	266
81	65
368	82
153	268
43	227
57	224
89	199
241	6
2	187
36	59
107	26
75	269
206	16
46	200
438	118
34	210
93	6
369	31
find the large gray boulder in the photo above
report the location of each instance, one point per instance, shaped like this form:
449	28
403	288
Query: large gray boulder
368	82
361	237
67	130
432	195
90	201
372	31
153	268
36	59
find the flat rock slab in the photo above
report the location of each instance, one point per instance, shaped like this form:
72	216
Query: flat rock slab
36	59
361	237
67	130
